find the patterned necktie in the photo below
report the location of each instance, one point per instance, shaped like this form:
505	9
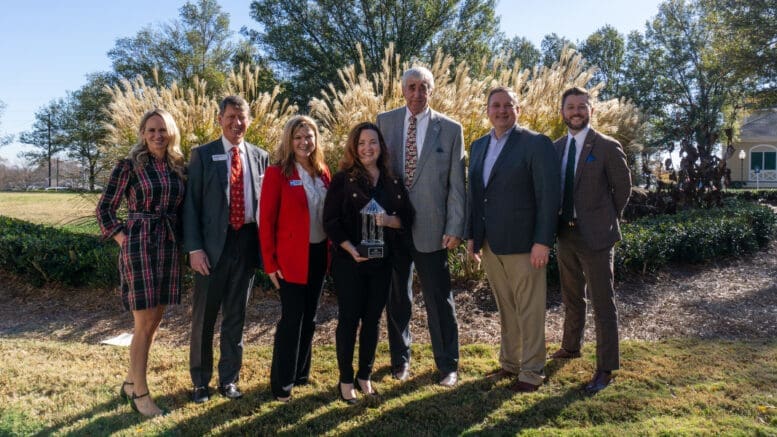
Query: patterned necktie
568	206
411	153
237	208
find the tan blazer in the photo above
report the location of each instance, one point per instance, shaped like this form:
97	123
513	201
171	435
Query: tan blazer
602	188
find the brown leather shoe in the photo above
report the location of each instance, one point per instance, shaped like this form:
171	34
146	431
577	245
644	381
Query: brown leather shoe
524	387
563	354
599	382
500	374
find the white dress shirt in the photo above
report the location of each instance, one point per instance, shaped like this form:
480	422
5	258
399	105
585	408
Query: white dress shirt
421	125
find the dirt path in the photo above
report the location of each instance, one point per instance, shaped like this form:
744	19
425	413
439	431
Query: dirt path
727	299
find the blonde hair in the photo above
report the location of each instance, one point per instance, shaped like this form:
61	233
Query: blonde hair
284	154
139	152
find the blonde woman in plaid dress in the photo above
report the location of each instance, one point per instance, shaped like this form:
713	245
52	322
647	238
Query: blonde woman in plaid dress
151	180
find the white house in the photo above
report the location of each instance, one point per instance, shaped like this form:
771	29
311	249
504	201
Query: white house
754	161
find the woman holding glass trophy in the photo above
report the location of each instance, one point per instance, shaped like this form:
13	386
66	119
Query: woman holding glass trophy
365	211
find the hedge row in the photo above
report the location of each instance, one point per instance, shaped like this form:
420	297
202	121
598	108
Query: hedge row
43	254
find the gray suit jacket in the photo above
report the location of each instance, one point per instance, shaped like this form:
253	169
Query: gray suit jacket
519	205
206	207
437	193
602	188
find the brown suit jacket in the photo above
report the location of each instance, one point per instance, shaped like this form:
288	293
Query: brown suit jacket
602	188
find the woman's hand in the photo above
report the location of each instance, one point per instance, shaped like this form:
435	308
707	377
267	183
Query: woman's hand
351	249
389	221
120	237
274	278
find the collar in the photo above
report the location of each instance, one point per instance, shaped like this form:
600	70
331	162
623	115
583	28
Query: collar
580	136
228	146
420	116
504	135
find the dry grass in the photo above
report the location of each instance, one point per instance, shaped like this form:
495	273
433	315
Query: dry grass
665	387
55	209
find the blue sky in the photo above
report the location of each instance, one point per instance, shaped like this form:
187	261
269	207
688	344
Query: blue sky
48	47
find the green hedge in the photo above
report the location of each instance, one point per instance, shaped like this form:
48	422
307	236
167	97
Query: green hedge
694	235
43	254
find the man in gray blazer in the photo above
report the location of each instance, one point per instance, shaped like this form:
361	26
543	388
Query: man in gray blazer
596	186
512	203
427	150
220	235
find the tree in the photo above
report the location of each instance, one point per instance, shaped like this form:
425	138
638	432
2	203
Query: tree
675	75
605	50
197	45
551	46
84	126
520	48
4	139
308	41
47	137
473	36
747	42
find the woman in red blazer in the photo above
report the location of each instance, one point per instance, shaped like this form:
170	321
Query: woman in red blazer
294	247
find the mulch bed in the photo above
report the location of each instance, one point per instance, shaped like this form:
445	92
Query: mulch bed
723	299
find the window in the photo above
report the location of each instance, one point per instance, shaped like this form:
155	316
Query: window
763	160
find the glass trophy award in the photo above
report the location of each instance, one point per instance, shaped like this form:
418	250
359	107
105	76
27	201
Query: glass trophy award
372	243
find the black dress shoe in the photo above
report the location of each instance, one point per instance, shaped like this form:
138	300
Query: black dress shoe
200	395
401	373
599	382
230	391
564	354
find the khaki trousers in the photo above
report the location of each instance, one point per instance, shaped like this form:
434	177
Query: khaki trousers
520	291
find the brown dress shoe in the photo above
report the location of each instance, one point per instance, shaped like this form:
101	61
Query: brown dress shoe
524	387
500	374
599	382
563	354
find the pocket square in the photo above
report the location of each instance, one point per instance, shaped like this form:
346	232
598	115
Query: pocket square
591	158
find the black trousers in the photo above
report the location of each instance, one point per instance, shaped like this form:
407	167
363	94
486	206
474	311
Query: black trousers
362	290
294	333
227	289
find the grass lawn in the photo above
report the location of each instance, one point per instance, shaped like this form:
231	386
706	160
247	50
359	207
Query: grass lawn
674	387
71	211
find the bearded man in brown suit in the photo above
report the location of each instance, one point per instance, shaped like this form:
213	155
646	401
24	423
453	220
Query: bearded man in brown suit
596	184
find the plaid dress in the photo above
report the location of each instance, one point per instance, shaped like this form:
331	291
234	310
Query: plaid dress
150	257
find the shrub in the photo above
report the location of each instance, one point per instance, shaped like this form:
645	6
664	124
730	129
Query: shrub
43	254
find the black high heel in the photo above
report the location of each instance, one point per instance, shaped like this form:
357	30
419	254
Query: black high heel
342	398
122	393
135	407
359	388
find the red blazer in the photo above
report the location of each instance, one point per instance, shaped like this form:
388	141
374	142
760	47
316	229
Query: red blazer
284	224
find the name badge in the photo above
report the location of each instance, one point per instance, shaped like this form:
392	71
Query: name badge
295	182
221	157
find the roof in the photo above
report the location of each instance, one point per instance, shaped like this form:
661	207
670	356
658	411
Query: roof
760	125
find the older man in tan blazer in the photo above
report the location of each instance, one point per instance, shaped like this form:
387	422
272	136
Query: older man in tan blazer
596	184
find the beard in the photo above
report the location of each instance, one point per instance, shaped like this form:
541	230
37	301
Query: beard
576	126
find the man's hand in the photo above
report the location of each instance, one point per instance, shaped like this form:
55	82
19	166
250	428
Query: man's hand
450	242
471	251
120	237
198	261
540	254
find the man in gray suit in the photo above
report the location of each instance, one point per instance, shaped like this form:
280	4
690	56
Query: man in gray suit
427	150
512	203
596	186
220	234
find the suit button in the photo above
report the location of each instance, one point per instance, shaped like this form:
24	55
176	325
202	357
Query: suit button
485	200
354	194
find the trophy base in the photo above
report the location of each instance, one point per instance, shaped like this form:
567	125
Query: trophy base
371	251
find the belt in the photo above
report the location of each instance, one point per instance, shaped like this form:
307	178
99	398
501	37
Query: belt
155	218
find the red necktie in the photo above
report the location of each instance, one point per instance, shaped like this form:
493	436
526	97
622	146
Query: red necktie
411	153
237	208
